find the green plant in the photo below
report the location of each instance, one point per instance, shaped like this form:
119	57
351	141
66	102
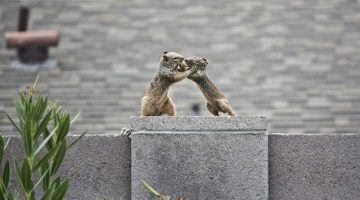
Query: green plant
157	195
43	128
5	176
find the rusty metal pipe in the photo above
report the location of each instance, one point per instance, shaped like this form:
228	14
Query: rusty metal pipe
31	38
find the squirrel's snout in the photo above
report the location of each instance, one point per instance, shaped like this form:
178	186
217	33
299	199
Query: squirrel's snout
183	65
188	62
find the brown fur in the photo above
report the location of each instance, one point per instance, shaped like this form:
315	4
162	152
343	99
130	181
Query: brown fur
216	100
156	101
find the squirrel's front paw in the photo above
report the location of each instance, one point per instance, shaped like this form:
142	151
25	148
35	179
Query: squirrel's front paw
181	68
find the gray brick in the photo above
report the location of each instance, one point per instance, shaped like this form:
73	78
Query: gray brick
199	164
98	166
314	166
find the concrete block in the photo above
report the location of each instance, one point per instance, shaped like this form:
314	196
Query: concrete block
200	157
97	167
196	123
314	166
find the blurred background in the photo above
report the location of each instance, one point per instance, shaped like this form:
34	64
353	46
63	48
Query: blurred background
296	61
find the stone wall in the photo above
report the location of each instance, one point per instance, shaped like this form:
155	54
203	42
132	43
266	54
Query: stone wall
212	158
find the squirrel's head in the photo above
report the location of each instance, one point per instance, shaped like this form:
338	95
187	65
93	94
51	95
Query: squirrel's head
199	64
173	60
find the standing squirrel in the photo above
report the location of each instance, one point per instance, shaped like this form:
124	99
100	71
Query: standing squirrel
216	100
172	68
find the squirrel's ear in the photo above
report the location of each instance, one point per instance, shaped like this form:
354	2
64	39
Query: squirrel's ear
165	52
165	58
204	59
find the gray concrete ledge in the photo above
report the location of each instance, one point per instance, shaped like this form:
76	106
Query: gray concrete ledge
98	166
164	123
200	157
314	166
212	165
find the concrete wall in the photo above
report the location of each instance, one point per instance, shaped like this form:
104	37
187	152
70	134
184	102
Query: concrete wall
200	157
314	166
98	166
301	166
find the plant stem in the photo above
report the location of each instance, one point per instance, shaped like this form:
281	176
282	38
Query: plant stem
30	160
28	196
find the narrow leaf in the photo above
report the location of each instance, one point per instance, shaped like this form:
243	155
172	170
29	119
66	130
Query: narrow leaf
7	143
18	175
44	159
27	138
13	123
77	140
43	125
150	189
1	148
45	141
40	180
47	195
60	191
75	118
49	144
55	183
64	128
45	172
6	174
59	157
35	82
2	190
26	176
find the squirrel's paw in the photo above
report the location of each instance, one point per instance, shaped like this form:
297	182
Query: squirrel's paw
125	131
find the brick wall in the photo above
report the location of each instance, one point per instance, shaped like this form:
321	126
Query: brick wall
296	62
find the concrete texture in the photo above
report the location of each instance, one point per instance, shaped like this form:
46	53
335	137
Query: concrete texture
295	61
201	164
314	166
163	123
98	167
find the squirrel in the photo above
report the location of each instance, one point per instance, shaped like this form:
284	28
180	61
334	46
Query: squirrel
172	68
216	100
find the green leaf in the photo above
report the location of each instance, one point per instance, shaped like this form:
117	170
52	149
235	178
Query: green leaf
2	190
59	157
45	141
55	183
19	105
18	175
44	159
27	137
47	194
26	176
40	180
77	139
49	144
34	85
63	128
75	118
40	107
1	148
60	191
6	174
44	171
43	125
32	196
7	143
151	190
13	123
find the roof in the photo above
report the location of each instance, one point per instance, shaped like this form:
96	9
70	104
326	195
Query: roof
296	62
